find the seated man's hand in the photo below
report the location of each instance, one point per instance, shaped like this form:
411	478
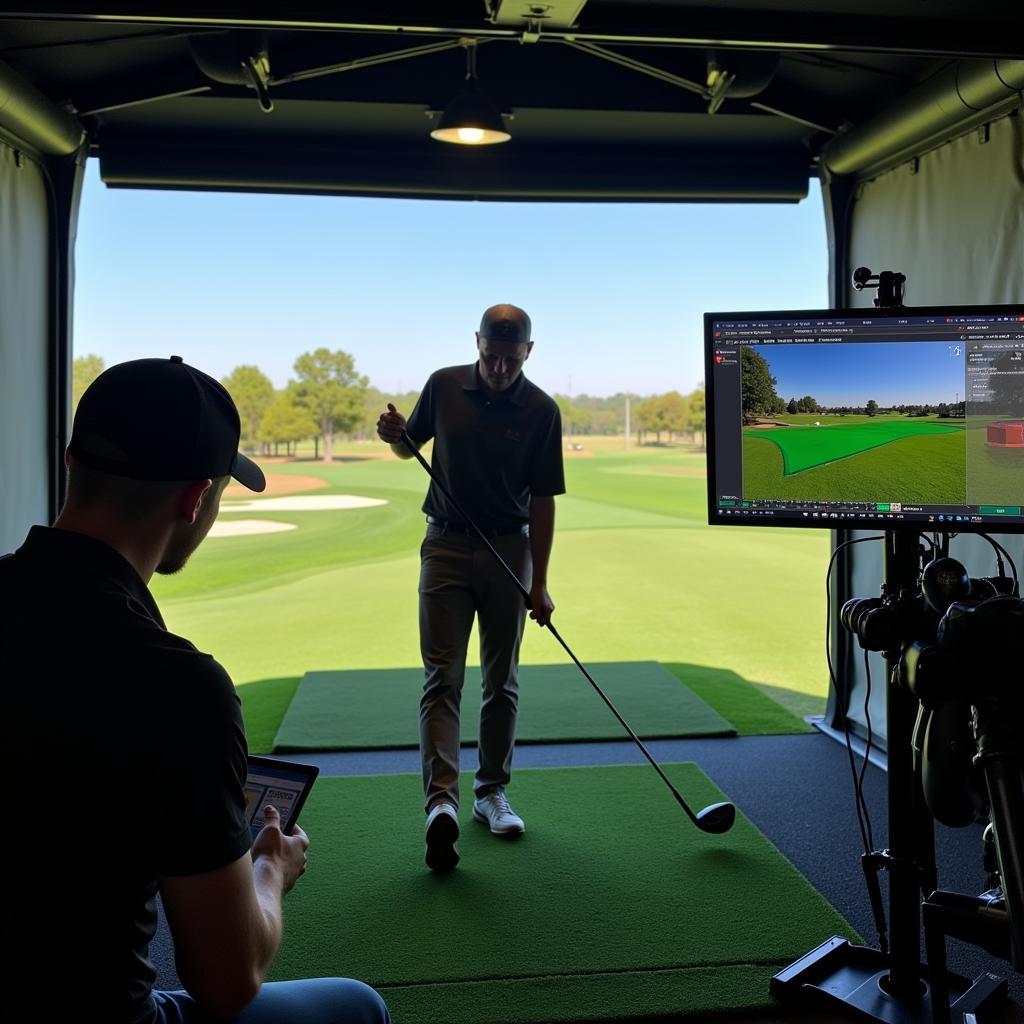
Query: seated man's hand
288	853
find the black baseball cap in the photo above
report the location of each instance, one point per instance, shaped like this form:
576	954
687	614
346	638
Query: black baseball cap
505	323
161	419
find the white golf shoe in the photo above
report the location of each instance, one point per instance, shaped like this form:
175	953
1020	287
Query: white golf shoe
493	809
441	833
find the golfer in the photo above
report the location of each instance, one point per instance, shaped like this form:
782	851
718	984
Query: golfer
498	451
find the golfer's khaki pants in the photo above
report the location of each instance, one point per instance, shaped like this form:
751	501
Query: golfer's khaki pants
460	578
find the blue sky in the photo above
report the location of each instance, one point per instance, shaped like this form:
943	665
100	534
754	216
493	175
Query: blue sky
897	373
616	291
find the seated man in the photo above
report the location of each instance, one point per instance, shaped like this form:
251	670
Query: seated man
125	745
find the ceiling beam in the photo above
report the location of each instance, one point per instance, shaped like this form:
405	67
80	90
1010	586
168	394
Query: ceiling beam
181	161
978	32
26	113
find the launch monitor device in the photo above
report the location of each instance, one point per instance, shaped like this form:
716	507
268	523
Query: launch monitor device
908	417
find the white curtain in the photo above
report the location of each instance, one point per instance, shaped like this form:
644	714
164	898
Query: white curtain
953	222
24	346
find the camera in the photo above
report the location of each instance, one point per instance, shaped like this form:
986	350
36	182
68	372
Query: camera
958	644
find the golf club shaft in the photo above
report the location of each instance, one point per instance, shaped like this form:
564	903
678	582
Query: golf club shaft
407	441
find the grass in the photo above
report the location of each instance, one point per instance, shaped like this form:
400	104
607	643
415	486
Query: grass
636	575
806	447
926	468
588	916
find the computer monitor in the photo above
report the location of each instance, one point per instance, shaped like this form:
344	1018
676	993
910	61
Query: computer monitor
891	418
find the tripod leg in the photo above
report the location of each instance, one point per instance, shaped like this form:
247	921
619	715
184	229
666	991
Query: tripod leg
872	863
935	953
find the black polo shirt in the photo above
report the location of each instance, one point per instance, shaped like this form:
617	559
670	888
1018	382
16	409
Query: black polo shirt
492	454
125	759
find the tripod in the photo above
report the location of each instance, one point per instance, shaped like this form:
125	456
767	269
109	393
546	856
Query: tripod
892	986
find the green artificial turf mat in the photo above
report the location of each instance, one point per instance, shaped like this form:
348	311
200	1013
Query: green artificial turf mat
612	905
805	447
362	710
750	710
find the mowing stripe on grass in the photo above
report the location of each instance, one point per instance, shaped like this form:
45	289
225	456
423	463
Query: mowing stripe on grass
373	708
806	447
612	905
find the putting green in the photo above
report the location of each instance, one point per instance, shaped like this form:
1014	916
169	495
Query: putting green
611	906
362	710
806	447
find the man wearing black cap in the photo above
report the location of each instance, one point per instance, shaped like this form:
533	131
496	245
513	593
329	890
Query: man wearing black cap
127	743
498	451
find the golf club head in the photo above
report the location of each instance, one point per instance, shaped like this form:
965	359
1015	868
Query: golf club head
716	818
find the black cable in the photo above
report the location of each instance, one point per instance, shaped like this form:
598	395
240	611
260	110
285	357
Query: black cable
1000	550
863	817
1000	568
867	751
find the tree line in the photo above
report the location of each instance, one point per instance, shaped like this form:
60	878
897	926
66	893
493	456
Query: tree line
671	413
759	398
328	398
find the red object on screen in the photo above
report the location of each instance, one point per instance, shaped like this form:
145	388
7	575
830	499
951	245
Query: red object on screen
1006	434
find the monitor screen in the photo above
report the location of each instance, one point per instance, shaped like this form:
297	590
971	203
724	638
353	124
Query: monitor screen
889	418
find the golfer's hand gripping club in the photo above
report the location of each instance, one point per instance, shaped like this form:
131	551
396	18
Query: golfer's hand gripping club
714	818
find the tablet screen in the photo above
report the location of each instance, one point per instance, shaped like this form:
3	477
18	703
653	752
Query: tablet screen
284	784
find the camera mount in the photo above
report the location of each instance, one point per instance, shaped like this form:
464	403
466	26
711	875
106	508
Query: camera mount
890	985
889	284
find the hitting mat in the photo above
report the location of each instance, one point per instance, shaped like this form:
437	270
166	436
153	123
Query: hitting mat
364	710
611	906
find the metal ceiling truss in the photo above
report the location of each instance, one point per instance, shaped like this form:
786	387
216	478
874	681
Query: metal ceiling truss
699	26
271	81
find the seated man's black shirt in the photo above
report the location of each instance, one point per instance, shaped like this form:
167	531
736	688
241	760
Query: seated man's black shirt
126	760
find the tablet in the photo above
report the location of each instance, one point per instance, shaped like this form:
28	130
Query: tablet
284	784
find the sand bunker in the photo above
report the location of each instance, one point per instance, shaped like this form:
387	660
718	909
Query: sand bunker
247	527
302	503
278	483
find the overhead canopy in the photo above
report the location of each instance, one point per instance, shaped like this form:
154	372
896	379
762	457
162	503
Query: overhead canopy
604	99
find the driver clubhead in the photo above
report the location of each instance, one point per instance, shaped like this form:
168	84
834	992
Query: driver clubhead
717	818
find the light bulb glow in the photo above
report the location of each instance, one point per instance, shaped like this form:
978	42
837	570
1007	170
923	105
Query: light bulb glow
470	134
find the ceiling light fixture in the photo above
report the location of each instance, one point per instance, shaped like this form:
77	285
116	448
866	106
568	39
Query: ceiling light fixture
471	119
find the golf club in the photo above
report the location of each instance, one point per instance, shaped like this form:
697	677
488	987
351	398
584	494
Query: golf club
714	818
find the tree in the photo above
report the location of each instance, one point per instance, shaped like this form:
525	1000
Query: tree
696	418
253	392
663	412
84	370
871	409
675	412
648	418
757	385
285	421
1007	397
574	419
329	387
375	402
792	407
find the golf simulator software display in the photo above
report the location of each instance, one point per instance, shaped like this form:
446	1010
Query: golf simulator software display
867	417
